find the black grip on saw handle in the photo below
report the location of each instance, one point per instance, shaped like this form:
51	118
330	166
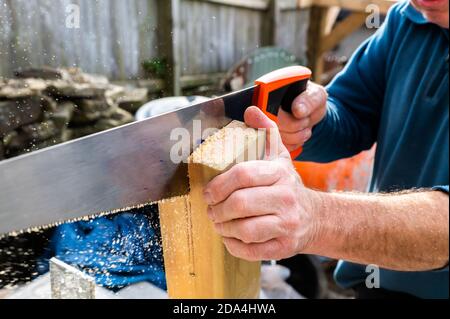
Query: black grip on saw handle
280	88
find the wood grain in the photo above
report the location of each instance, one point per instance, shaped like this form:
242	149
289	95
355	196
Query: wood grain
197	263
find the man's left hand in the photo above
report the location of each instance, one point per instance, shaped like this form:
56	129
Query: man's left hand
261	208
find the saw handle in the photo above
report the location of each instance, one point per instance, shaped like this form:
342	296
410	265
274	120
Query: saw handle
279	89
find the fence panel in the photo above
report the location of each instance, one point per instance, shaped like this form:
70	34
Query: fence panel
116	36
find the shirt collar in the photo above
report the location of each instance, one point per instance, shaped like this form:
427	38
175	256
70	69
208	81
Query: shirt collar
416	17
412	14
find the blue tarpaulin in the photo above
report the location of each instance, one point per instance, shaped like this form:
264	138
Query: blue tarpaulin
118	250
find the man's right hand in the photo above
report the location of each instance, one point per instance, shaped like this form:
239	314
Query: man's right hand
308	110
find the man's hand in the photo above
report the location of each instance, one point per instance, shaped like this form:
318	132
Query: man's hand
308	110
263	211
262	208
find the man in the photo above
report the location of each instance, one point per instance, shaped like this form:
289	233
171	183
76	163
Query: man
394	92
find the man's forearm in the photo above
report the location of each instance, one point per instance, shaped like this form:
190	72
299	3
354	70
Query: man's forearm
404	232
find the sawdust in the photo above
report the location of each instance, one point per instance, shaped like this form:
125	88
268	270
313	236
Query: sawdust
135	249
86	218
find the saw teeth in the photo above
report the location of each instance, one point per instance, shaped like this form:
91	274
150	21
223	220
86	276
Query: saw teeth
37	229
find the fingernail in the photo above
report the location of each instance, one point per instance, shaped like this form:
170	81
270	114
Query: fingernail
303	109
207	196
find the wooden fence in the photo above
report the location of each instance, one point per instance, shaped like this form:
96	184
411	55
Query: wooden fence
115	36
198	38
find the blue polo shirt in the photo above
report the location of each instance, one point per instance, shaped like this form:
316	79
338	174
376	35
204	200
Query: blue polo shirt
394	92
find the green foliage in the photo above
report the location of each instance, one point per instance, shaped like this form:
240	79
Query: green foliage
156	67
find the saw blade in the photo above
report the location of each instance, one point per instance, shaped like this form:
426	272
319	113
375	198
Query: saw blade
108	172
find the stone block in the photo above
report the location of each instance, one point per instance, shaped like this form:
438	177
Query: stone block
16	149
114	92
76	75
39	132
132	100
118	118
12	89
88	111
63	114
45	73
22	111
67	90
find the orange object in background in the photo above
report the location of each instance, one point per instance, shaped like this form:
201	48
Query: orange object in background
351	174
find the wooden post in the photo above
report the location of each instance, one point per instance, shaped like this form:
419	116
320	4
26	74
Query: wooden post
274	21
323	35
169	43
317	29
342	30
196	260
176	231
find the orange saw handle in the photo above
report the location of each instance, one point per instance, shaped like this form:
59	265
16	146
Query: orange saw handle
279	89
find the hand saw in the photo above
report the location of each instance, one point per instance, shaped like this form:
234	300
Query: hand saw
128	166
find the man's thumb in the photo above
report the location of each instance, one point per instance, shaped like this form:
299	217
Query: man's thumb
255	118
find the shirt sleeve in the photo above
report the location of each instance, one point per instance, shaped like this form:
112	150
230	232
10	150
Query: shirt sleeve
444	189
355	101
